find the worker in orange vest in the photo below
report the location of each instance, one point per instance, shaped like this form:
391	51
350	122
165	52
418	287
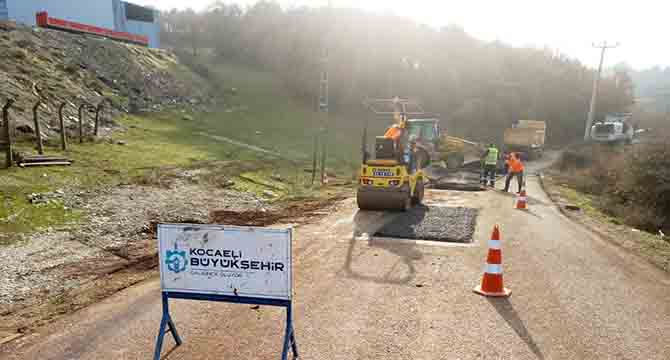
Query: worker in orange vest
394	132
516	169
397	133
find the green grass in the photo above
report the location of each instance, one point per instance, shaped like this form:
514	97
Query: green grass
150	143
287	125
584	202
154	147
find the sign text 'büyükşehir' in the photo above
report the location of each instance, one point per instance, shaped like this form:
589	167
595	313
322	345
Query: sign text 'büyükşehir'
212	259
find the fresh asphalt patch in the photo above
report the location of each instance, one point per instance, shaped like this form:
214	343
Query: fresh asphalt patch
433	223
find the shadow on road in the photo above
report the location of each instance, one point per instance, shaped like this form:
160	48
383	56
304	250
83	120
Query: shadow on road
531	200
166	355
505	308
368	222
533	213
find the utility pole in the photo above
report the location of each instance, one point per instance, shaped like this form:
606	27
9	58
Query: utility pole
323	107
320	141
596	83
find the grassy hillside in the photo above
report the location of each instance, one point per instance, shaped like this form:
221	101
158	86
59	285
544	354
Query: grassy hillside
154	146
286	124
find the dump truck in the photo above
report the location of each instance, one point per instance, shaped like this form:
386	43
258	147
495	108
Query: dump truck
527	138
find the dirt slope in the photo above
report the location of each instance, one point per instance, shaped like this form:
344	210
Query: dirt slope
76	68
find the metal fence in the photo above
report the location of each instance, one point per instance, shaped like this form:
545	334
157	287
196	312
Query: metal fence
6	131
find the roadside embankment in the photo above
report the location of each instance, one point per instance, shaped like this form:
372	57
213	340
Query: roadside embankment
621	193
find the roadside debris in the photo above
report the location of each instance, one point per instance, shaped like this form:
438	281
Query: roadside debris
296	212
45	198
42	160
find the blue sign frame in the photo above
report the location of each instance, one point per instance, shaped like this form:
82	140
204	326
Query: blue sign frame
168	325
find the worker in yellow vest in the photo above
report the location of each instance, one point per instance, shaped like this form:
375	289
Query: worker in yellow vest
489	165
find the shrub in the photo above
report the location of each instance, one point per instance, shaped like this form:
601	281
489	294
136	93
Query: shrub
574	159
632	183
644	187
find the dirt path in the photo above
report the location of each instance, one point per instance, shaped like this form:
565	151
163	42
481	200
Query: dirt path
575	296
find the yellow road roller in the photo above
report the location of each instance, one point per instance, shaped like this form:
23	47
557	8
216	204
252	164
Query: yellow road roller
390	181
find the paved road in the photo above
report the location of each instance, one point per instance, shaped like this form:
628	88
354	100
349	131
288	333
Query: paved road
575	296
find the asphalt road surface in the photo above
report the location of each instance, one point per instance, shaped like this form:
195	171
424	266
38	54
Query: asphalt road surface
574	296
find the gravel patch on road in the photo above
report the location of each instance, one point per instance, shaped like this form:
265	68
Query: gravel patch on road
448	224
123	216
28	265
117	230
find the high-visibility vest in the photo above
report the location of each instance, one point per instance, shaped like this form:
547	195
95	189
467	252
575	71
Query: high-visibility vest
393	133
515	166
492	156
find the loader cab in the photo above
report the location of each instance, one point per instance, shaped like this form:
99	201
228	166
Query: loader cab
426	130
427	135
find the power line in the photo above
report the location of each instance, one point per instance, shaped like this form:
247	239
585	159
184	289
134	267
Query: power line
596	83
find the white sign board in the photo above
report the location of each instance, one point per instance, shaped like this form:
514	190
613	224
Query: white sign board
225	260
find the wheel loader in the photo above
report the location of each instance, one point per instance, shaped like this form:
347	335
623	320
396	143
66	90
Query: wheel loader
433	146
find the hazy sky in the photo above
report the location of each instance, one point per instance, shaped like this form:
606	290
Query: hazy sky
567	25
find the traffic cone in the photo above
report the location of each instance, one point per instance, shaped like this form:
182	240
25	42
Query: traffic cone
492	281
522	200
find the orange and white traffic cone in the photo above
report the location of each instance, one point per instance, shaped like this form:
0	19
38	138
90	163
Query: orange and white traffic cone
522	201
492	281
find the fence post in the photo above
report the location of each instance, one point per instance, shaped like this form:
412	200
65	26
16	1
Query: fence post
324	154
81	122
40	148
98	110
7	132
315	157
63	137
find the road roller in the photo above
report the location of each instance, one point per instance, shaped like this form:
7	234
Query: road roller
389	181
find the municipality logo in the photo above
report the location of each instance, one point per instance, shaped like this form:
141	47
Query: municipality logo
176	261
